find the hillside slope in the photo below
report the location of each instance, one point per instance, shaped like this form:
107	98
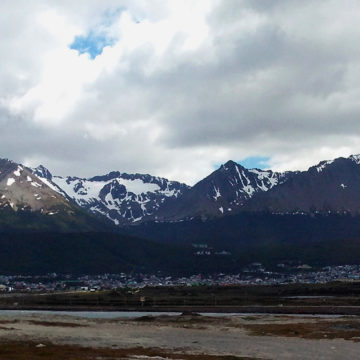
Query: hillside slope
329	187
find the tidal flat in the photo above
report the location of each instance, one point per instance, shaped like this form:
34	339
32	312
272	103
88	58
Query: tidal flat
187	336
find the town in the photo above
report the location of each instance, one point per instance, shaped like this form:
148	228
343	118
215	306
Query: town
253	274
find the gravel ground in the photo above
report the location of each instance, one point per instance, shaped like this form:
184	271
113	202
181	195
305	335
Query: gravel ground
196	334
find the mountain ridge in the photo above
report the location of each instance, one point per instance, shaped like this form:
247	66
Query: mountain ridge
330	186
223	192
123	199
28	204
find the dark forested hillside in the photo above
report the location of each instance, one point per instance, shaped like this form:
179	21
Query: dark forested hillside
319	240
231	244
250	227
34	221
85	253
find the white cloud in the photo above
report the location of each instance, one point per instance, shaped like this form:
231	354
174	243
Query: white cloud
182	86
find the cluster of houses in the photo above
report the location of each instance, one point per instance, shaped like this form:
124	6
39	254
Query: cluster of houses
254	273
205	250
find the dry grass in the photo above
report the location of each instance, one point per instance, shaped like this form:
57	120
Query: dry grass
6	328
184	321
347	330
55	323
29	351
5	322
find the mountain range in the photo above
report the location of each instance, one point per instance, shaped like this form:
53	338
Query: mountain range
135	198
130	199
141	222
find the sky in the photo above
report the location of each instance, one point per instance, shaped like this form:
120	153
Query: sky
175	88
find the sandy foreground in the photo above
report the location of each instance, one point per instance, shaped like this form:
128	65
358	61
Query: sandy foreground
252	337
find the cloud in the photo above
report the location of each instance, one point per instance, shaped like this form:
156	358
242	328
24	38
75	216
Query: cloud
172	88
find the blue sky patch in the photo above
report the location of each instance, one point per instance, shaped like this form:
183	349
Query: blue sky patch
259	162
92	43
251	162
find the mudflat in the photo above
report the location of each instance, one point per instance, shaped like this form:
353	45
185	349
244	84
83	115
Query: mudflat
187	336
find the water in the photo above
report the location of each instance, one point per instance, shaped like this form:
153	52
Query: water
309	297
88	314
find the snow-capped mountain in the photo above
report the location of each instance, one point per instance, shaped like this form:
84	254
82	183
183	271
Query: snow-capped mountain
122	198
223	192
135	198
28	204
331	186
20	189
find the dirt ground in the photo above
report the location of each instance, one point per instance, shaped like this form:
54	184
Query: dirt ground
188	337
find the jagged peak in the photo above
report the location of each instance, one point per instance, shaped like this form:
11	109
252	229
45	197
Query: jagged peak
110	176
7	160
231	165
43	172
355	158
324	163
321	165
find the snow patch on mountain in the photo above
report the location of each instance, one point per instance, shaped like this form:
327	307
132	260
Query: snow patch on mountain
80	190
217	193
10	181
355	158
122	198
322	165
250	181
18	171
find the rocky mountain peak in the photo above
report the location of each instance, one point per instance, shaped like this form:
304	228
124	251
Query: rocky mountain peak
223	192
42	172
21	189
355	158
111	175
230	165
